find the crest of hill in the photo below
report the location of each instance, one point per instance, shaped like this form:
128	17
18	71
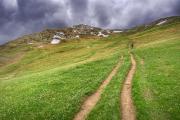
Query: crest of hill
45	36
160	23
85	31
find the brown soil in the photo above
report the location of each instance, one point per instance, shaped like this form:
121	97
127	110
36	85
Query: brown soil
127	107
91	101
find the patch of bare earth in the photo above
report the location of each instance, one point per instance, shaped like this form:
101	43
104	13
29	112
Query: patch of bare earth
127	107
92	100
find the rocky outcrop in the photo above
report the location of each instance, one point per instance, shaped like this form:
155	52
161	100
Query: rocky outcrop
58	37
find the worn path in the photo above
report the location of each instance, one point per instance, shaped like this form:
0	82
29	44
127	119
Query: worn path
127	107
91	101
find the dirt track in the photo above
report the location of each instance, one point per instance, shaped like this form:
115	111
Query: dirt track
91	101
127	107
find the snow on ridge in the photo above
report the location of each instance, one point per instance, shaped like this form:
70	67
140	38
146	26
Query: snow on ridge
77	36
55	41
57	38
102	35
60	33
162	22
117	31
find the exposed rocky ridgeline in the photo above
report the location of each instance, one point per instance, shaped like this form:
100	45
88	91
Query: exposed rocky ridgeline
56	36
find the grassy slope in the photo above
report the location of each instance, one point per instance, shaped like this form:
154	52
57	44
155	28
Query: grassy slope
52	82
67	54
52	95
156	83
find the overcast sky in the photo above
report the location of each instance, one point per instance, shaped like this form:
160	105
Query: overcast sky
19	17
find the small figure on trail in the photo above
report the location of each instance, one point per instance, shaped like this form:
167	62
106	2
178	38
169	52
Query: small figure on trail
132	45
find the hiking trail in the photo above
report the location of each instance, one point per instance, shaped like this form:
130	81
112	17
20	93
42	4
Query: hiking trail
127	107
92	100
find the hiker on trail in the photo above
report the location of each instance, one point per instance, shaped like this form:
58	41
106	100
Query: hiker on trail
132	45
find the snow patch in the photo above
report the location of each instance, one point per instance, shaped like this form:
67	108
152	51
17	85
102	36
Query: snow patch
162	22
77	36
117	31
30	43
55	41
102	35
57	38
92	33
60	33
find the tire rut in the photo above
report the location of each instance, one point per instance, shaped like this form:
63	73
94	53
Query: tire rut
92	100
127	107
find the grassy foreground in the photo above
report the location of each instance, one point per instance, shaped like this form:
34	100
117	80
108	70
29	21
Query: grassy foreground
52	95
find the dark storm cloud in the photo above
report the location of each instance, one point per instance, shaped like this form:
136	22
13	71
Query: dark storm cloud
34	9
79	5
176	7
79	10
102	14
18	17
5	14
28	16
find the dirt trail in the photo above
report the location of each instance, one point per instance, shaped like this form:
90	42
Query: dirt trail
127	107
91	101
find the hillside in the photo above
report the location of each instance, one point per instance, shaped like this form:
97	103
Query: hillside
40	80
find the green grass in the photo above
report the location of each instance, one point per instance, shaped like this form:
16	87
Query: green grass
52	82
108	108
52	95
50	57
156	82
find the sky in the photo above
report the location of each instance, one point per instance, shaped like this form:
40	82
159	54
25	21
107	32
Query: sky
20	17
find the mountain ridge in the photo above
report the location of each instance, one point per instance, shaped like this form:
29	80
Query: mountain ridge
84	31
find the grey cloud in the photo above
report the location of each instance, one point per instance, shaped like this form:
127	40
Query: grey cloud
34	9
79	5
102	14
176	8
30	16
5	14
18	17
79	10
